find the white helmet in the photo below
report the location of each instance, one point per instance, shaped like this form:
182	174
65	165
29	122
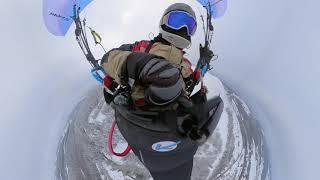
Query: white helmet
178	24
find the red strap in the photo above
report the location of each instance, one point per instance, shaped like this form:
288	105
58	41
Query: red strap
140	102
142	44
107	81
196	74
125	152
139	45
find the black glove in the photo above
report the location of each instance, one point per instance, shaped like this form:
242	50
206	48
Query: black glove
159	76
192	116
205	54
189	127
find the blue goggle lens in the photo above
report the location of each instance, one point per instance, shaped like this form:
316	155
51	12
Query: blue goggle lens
179	19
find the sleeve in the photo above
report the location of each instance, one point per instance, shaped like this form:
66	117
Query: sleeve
113	60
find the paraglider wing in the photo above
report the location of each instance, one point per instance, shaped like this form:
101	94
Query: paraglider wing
218	7
57	14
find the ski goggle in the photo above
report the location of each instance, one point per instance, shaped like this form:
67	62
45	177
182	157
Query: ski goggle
179	19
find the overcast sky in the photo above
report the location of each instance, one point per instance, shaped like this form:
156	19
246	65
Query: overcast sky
268	54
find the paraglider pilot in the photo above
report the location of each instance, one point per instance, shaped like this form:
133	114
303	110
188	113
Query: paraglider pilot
154	111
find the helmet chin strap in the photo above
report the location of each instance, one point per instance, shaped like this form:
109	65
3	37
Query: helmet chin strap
175	40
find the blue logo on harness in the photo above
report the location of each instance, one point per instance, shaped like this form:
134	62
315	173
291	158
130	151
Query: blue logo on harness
165	146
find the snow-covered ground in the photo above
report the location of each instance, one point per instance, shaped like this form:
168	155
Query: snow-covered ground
236	150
